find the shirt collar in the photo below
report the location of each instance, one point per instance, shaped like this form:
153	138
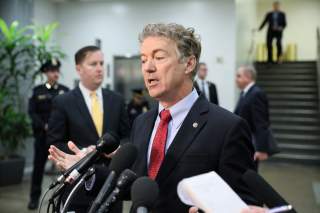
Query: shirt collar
180	110
248	87
199	81
87	92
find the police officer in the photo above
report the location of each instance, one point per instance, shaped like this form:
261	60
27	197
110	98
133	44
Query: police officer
137	105
39	110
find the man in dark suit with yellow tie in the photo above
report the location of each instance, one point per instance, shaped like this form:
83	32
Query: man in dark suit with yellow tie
85	113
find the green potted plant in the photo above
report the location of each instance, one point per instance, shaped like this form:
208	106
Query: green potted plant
14	128
22	52
16	61
45	50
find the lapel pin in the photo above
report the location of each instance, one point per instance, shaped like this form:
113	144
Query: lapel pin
195	125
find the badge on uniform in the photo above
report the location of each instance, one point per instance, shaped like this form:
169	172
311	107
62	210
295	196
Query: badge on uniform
144	109
41	97
61	92
48	85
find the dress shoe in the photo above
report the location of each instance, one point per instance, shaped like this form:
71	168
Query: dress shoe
33	204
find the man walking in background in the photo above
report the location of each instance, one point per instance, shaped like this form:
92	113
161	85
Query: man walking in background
40	106
207	88
277	22
253	106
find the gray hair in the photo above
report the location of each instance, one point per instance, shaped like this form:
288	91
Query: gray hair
188	43
249	69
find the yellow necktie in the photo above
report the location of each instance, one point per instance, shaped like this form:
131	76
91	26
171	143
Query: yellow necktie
96	113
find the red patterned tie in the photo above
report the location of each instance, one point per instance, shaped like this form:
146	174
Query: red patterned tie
159	144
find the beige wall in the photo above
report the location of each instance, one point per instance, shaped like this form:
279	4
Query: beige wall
118	22
303	17
246	14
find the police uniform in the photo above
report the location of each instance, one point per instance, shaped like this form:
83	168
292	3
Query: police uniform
135	109
40	105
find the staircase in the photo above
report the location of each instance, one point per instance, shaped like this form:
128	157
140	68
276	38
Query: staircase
292	90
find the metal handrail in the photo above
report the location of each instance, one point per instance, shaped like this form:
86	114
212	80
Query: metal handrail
250	54
318	64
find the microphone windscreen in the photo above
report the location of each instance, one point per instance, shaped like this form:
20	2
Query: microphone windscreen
144	192
126	178
123	158
263	191
108	143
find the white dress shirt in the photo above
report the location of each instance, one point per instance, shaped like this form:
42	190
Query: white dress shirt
178	113
86	94
247	88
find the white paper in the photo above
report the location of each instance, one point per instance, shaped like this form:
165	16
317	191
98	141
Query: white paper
210	193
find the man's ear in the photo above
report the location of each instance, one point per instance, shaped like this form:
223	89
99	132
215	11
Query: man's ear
190	64
78	68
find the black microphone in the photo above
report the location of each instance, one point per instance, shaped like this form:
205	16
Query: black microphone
144	193
66	173
104	144
123	159
263	191
107	144
124	181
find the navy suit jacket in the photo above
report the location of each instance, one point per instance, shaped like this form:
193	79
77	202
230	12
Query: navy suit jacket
254	108
220	142
71	119
282	22
213	94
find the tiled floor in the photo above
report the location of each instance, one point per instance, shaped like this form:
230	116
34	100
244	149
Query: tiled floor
293	182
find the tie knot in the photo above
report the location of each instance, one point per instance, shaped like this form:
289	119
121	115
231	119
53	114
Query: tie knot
165	115
93	94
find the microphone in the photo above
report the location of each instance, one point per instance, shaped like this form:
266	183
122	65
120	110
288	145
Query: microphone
62	177
124	181
108	143
123	159
263	191
144	193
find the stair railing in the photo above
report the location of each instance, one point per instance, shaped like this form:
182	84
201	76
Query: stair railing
250	54
318	64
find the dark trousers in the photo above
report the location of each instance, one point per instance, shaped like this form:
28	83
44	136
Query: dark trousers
39	162
270	36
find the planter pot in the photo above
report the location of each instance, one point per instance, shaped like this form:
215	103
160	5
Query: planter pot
11	170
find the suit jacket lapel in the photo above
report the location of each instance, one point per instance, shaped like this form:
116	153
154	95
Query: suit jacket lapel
187	133
242	100
250	90
144	138
84	109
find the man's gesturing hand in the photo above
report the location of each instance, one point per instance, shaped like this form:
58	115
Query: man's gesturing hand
63	160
